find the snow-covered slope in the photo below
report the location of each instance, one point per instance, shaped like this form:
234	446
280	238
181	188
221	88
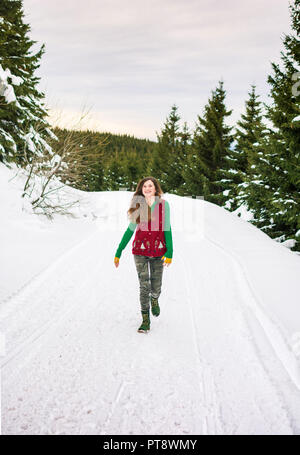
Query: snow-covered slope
222	358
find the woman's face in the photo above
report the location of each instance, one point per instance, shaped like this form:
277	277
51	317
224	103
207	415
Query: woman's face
148	189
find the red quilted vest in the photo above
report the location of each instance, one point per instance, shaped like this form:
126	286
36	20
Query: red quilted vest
149	237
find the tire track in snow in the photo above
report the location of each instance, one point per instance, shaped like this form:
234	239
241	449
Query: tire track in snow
212	423
123	386
120	391
6	305
30	300
225	339
270	327
28	343
42	414
248	297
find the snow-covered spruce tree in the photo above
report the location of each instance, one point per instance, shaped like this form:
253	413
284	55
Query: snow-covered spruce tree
181	159
248	134
163	162
195	169
273	194
23	126
210	145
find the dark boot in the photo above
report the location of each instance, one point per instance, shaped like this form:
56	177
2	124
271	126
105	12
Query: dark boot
145	326
155	306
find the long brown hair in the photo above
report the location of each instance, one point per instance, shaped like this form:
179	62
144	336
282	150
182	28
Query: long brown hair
137	208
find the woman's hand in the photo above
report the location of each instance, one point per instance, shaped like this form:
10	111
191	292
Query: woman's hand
166	261
116	261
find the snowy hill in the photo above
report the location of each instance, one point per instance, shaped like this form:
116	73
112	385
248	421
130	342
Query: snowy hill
222	358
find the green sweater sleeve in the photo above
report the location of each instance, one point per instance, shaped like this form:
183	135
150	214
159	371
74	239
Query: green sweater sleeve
125	239
168	232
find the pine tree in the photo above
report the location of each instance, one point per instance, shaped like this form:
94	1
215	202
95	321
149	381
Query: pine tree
23	127
195	170
274	194
163	163
181	158
210	146
248	134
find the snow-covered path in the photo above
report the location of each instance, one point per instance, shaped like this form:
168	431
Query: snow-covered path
75	363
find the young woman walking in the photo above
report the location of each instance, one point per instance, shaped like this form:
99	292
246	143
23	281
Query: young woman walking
152	246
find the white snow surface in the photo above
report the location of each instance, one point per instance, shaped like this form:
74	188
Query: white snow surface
223	357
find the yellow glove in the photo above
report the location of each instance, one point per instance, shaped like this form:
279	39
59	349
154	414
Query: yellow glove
116	261
167	261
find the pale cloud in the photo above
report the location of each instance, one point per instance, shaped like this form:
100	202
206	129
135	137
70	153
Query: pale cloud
129	61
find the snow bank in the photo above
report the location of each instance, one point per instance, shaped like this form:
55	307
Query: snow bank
29	242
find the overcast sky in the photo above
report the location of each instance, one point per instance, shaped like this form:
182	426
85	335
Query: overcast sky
127	62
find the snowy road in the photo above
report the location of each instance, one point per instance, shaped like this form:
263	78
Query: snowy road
75	364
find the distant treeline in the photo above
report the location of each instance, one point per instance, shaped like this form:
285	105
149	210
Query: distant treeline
121	160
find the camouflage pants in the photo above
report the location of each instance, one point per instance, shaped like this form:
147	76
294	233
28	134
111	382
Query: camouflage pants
150	271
